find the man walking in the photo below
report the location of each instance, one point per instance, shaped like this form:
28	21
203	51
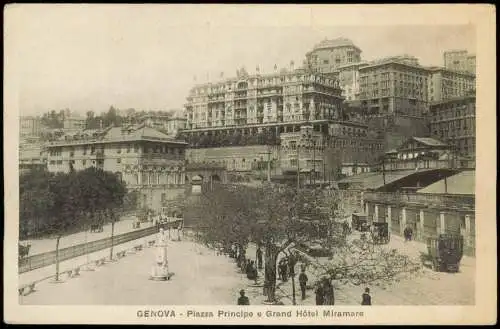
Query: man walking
366	299
303	282
243	300
259	258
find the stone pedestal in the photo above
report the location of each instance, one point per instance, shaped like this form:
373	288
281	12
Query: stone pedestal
159	271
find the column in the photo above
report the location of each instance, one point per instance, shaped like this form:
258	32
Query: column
139	177
441	228
403	219
375	218
366	209
389	218
421	227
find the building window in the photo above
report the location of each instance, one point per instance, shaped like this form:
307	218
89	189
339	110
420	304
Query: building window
118	160
84	162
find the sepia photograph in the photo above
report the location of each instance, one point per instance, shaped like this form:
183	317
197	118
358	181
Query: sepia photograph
249	164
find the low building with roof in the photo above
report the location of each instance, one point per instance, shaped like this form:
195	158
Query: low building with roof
424	153
145	159
446	206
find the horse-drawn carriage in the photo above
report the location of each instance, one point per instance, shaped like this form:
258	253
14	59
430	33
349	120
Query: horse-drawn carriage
360	222
380	233
445	252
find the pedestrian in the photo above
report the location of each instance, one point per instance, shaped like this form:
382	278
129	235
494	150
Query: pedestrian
407	233
366	299
259	258
410	233
319	294
329	298
284	269
303	283
243	300
280	270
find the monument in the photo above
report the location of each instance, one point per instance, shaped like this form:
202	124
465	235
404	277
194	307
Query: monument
159	271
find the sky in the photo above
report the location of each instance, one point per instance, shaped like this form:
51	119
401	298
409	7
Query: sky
146	57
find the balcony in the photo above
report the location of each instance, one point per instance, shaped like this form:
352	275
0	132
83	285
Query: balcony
445	201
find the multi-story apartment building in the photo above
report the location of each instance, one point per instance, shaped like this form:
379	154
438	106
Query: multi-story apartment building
256	101
394	85
325	154
446	83
30	126
155	120
348	76
145	159
73	123
176	124
31	156
460	60
328	55
454	121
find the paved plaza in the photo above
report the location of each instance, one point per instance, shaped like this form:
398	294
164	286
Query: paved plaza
204	278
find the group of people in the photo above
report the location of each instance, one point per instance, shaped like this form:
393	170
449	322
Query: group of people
284	269
324	292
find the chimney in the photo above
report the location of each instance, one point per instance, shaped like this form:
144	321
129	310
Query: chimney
292	64
275	68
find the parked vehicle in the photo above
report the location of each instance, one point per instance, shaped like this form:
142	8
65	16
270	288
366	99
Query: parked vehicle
380	233
445	252
314	249
360	222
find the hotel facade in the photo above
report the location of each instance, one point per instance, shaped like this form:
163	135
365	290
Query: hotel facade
145	159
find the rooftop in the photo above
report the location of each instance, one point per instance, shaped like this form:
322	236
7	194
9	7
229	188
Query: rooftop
334	43
116	134
461	183
429	141
374	180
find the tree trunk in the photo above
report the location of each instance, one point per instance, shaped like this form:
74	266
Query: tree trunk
271	258
57	257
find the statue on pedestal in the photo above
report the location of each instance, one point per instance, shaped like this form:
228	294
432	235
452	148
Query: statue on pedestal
160	269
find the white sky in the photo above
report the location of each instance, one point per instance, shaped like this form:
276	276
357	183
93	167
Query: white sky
88	58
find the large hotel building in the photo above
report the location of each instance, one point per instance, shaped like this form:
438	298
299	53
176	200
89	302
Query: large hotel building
278	105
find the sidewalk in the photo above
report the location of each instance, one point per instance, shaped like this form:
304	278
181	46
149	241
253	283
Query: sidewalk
70	264
39	246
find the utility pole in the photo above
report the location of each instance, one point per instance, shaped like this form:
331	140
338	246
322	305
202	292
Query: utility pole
314	164
269	165
298	167
112	234
383	169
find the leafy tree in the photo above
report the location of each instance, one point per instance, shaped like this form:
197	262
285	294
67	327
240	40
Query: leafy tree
280	218
59	203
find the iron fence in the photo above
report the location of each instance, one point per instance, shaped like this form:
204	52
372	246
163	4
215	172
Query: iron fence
48	258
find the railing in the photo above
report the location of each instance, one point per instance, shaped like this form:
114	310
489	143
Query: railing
48	258
428	199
